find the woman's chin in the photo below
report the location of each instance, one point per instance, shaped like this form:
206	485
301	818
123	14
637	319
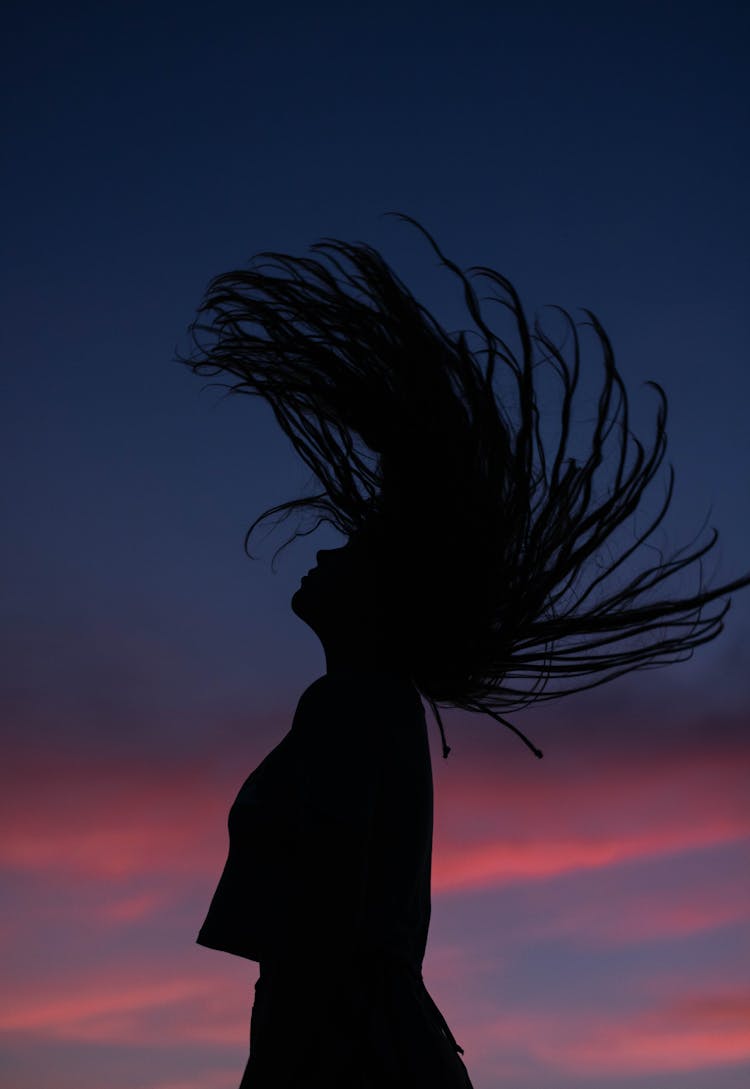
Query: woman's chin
295	601
299	603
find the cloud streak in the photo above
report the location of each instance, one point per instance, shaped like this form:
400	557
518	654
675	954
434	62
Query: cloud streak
121	855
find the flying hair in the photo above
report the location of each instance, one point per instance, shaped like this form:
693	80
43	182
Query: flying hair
488	535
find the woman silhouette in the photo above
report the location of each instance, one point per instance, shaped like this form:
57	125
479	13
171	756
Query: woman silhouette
466	578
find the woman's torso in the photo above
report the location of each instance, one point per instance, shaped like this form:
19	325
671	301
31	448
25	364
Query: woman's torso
332	832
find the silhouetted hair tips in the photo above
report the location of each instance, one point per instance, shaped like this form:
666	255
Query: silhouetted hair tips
488	535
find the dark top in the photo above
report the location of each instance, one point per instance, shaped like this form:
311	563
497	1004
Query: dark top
330	838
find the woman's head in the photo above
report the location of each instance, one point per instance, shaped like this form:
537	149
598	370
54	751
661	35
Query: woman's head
377	602
345	602
489	548
361	601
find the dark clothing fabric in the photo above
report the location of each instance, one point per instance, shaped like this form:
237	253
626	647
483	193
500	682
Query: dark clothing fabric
376	1028
327	886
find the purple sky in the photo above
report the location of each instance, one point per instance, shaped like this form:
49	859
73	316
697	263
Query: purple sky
591	913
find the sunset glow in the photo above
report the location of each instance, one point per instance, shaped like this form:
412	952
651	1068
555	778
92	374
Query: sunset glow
107	853
590	924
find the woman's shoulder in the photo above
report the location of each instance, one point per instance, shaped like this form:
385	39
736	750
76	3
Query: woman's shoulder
352	735
362	688
347	700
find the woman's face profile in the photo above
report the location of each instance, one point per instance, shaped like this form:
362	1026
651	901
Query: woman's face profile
345	600
337	595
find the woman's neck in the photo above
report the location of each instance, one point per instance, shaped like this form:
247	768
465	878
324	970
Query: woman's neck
363	662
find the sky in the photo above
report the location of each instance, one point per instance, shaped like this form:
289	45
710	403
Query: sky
591	911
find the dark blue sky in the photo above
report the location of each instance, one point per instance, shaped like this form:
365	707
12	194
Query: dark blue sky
597	155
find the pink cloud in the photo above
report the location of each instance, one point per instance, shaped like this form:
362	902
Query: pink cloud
724	1009
130	908
690	1035
206	1079
133	838
497	825
158	1003
494	825
627	910
469	867
699	1034
114	819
